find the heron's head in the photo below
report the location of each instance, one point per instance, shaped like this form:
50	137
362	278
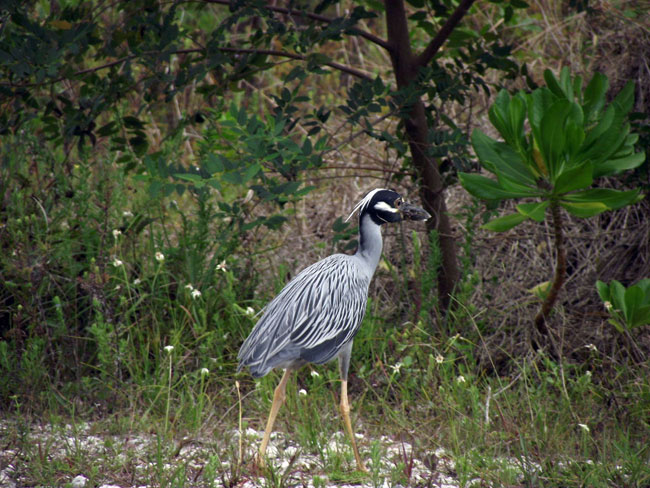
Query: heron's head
386	206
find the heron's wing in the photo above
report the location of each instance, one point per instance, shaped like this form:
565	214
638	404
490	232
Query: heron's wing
314	315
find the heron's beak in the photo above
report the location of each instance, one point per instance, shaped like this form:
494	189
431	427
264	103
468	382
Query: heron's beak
411	212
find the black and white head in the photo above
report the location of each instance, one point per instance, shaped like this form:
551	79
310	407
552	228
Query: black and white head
385	206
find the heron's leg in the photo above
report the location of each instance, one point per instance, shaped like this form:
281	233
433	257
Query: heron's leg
345	411
344	364
278	400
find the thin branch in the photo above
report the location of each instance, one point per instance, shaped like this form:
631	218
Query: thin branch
321	18
269	52
443	34
273	52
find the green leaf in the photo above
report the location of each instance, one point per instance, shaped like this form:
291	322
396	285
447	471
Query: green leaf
617	292
624	101
486	188
507	115
603	291
615	166
553	84
504	223
584	209
594	97
535	211
574	179
500	158
611	199
194	178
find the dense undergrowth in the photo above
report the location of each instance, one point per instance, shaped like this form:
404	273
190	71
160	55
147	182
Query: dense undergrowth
126	293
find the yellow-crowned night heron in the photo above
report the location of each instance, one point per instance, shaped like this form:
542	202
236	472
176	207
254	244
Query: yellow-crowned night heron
317	314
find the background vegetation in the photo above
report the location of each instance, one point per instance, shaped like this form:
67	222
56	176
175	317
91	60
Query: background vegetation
165	167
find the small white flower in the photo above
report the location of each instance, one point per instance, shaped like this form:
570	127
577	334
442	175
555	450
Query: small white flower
204	371
116	233
460	379
608	305
302	392
127	213
584	427
221	266
250	311
137	281
169	349
588	374
160	257
117	263
440	359
117	287
196	293
397	367
189	286
249	196
591	347
315	373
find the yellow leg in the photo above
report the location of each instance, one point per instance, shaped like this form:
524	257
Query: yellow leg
345	411
278	400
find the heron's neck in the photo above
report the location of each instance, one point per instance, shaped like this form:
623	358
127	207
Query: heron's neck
370	243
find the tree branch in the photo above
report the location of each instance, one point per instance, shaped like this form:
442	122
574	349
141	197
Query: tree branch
321	18
273	52
269	52
443	34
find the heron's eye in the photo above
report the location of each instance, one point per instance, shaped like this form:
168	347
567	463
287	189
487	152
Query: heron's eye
397	203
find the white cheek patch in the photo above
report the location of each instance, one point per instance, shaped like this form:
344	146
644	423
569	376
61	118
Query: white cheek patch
383	206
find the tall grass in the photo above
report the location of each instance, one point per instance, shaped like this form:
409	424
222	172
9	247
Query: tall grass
128	310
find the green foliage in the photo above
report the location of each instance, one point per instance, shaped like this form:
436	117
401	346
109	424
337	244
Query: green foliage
629	308
574	139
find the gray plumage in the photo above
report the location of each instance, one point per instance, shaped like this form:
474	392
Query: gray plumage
317	314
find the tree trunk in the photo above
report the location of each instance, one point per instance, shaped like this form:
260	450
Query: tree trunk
560	271
417	130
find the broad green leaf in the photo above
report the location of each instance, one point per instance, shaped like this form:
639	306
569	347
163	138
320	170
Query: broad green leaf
611	199
641	316
624	100
504	223
594	135
574	179
633	300
500	157
535	211
565	83
584	209
507	115
614	166
553	84
603	291
594	97
644	284
617	292
538	102
486	188
514	186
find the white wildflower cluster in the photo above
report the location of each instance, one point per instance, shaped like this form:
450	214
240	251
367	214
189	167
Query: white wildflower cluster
193	291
